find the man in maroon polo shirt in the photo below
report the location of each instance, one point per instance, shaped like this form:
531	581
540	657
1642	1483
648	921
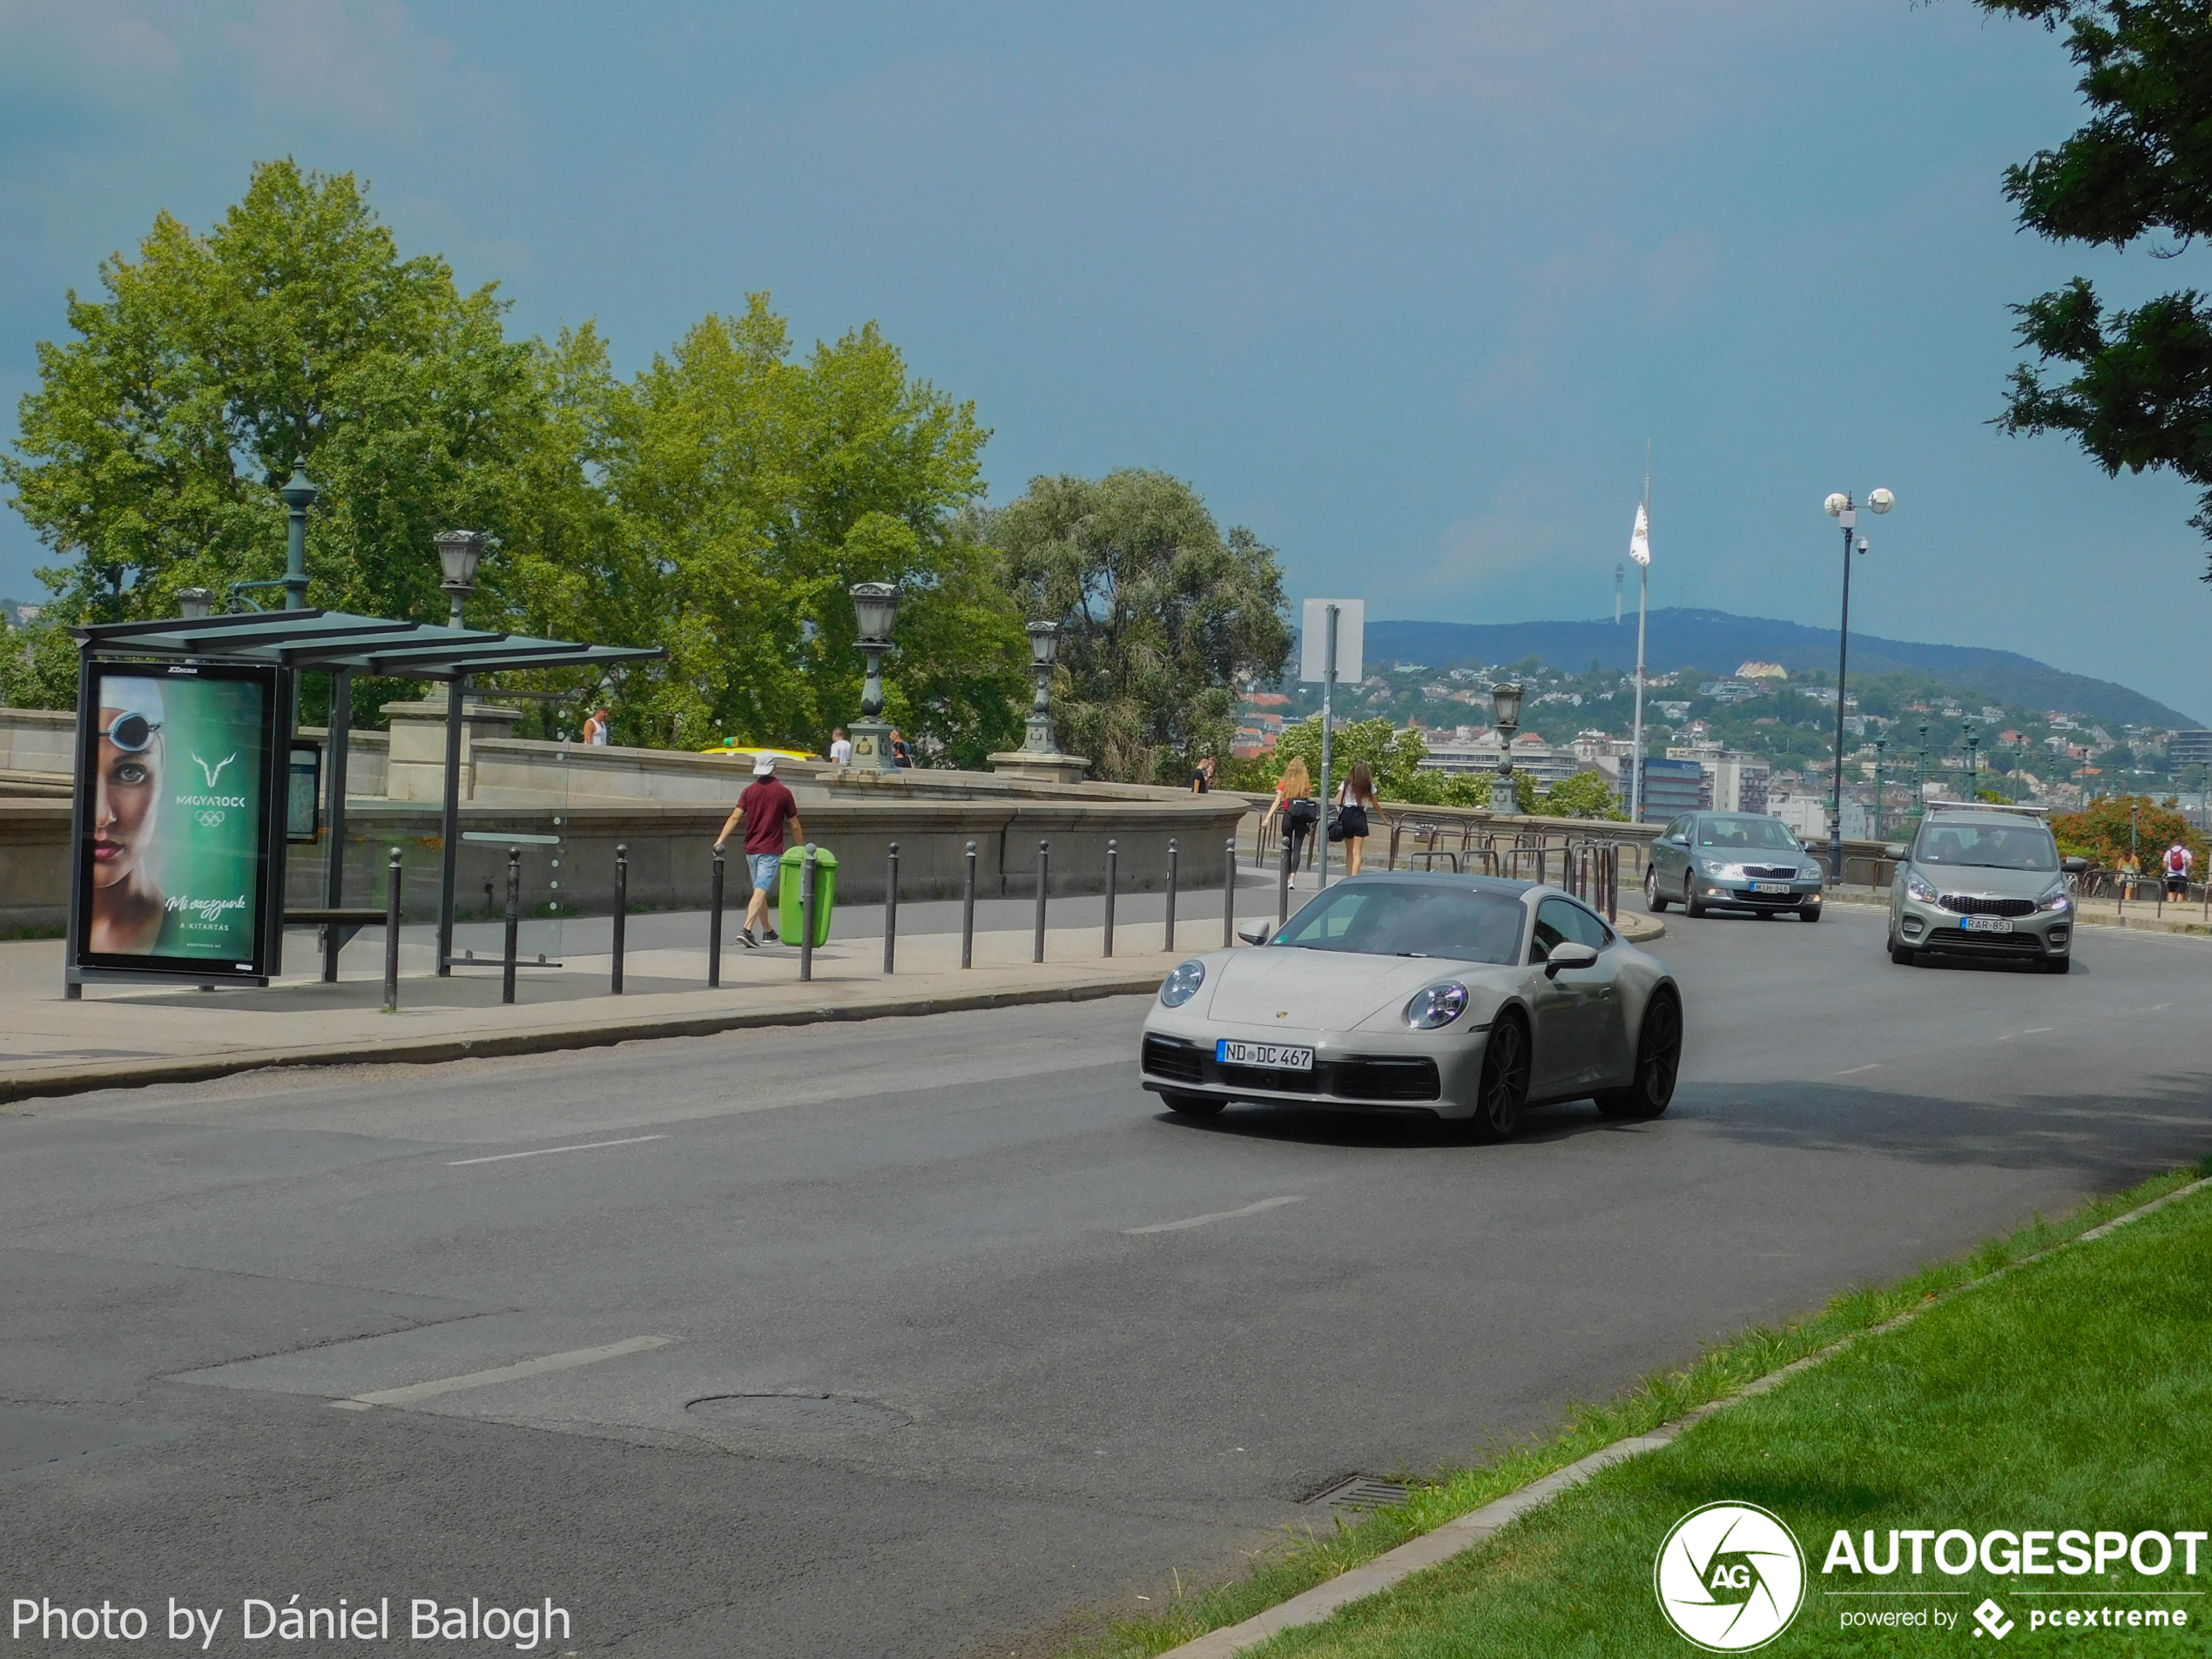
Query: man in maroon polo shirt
766	806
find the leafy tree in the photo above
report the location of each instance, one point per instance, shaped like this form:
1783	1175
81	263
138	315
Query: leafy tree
1393	755
293	334
1161	615
1584	795
2140	391
2100	832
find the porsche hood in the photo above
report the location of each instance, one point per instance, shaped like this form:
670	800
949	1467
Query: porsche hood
1322	989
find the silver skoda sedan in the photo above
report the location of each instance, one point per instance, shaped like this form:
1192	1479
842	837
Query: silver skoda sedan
1735	860
1461	996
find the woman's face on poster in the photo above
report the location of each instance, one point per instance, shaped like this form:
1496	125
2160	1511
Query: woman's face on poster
129	777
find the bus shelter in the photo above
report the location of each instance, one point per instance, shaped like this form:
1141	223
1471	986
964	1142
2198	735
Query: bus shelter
185	783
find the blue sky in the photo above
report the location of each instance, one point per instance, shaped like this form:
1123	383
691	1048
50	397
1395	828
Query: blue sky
1406	287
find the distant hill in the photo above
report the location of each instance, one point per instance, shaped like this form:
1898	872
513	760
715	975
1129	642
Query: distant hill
1717	642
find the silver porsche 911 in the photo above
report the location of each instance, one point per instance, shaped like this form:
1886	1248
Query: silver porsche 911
1464	996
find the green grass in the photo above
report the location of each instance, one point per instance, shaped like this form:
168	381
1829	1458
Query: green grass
2077	1384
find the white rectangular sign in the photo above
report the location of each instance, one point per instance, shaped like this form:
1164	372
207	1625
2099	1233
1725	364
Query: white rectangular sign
1313	635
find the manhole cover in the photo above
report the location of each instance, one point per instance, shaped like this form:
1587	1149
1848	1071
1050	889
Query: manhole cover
797	1414
1361	1492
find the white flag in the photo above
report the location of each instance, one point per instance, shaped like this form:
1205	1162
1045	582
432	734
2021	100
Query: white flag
1640	539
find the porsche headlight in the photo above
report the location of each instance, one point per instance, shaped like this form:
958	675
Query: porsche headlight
1917	888
1721	872
1436	1006
2055	899
1182	985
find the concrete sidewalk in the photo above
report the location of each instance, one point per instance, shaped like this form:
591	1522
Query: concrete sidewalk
118	1036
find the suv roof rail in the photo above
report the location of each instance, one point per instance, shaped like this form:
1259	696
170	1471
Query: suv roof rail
2025	811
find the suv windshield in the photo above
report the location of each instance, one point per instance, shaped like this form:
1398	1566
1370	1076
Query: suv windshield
1746	832
1410	919
1987	847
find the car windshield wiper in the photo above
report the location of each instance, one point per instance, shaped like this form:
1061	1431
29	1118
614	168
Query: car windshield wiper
1421	953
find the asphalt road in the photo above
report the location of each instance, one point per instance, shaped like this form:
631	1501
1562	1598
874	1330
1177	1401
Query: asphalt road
1031	1409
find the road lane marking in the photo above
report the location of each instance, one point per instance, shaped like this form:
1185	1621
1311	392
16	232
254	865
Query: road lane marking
2032	1031
1855	1071
545	1151
1218	1215
514	1373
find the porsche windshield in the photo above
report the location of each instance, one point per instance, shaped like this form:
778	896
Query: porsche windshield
1411	918
1988	846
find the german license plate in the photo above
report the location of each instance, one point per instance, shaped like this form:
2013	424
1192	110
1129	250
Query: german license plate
1274	1056
1986	924
1769	886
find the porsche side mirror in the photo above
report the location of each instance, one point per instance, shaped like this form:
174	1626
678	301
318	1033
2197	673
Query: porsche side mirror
1566	954
2074	867
1254	934
1895	851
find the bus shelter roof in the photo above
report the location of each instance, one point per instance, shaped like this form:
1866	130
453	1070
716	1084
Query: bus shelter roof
334	640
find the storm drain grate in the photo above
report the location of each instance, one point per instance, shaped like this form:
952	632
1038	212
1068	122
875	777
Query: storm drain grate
1361	1492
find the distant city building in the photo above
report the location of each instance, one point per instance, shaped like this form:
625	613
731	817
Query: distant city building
1761	671
1670	788
1807	817
2187	748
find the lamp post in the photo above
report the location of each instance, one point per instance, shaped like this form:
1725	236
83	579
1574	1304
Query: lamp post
298	495
1842	508
1974	769
192	603
1044	651
875	607
1920	789
459	553
1505	800
1880	743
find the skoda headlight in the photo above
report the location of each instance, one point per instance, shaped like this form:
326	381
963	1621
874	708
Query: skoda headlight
1437	1006
2055	899
1915	887
1182	985
1721	872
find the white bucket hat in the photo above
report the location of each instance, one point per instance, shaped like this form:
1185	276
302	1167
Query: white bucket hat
763	764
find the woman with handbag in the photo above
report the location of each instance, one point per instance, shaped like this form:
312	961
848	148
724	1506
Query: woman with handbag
1294	800
1354	801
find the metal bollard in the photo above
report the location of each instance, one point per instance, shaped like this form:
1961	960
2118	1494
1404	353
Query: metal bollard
1044	882
392	936
806	915
1282	886
622	909
967	914
1169	946
1229	897
891	910
714	925
513	923
1113	858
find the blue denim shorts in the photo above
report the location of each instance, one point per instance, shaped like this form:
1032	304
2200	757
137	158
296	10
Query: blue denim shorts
765	868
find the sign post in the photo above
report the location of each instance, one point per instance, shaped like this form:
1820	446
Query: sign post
1330	642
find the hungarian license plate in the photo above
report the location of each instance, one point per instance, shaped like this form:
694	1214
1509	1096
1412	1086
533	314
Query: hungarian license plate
1274	1056
1769	886
1986	924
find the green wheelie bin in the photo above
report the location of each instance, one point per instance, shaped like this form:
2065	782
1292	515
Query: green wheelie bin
787	905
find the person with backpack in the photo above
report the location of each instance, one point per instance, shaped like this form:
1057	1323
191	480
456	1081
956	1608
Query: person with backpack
2178	859
1294	800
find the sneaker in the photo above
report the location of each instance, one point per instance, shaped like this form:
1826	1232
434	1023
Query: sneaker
772	937
751	943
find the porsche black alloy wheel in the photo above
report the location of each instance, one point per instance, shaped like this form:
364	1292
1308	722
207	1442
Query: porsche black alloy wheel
1658	1058
1503	1089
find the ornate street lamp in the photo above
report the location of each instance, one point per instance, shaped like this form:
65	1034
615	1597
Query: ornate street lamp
459	553
298	495
875	607
1505	799
1044	651
192	603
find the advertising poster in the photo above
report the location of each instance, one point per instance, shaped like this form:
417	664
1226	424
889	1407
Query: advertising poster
174	783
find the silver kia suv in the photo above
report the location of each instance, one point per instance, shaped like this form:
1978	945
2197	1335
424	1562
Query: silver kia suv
1983	881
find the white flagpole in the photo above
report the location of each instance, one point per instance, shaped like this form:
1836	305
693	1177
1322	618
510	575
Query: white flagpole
1643	603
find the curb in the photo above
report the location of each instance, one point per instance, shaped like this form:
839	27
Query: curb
1463	1532
424	1051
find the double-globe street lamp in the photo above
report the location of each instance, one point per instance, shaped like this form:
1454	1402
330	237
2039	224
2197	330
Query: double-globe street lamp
875	607
1841	506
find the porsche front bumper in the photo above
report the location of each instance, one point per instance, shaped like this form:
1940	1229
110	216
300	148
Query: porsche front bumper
1431	1072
